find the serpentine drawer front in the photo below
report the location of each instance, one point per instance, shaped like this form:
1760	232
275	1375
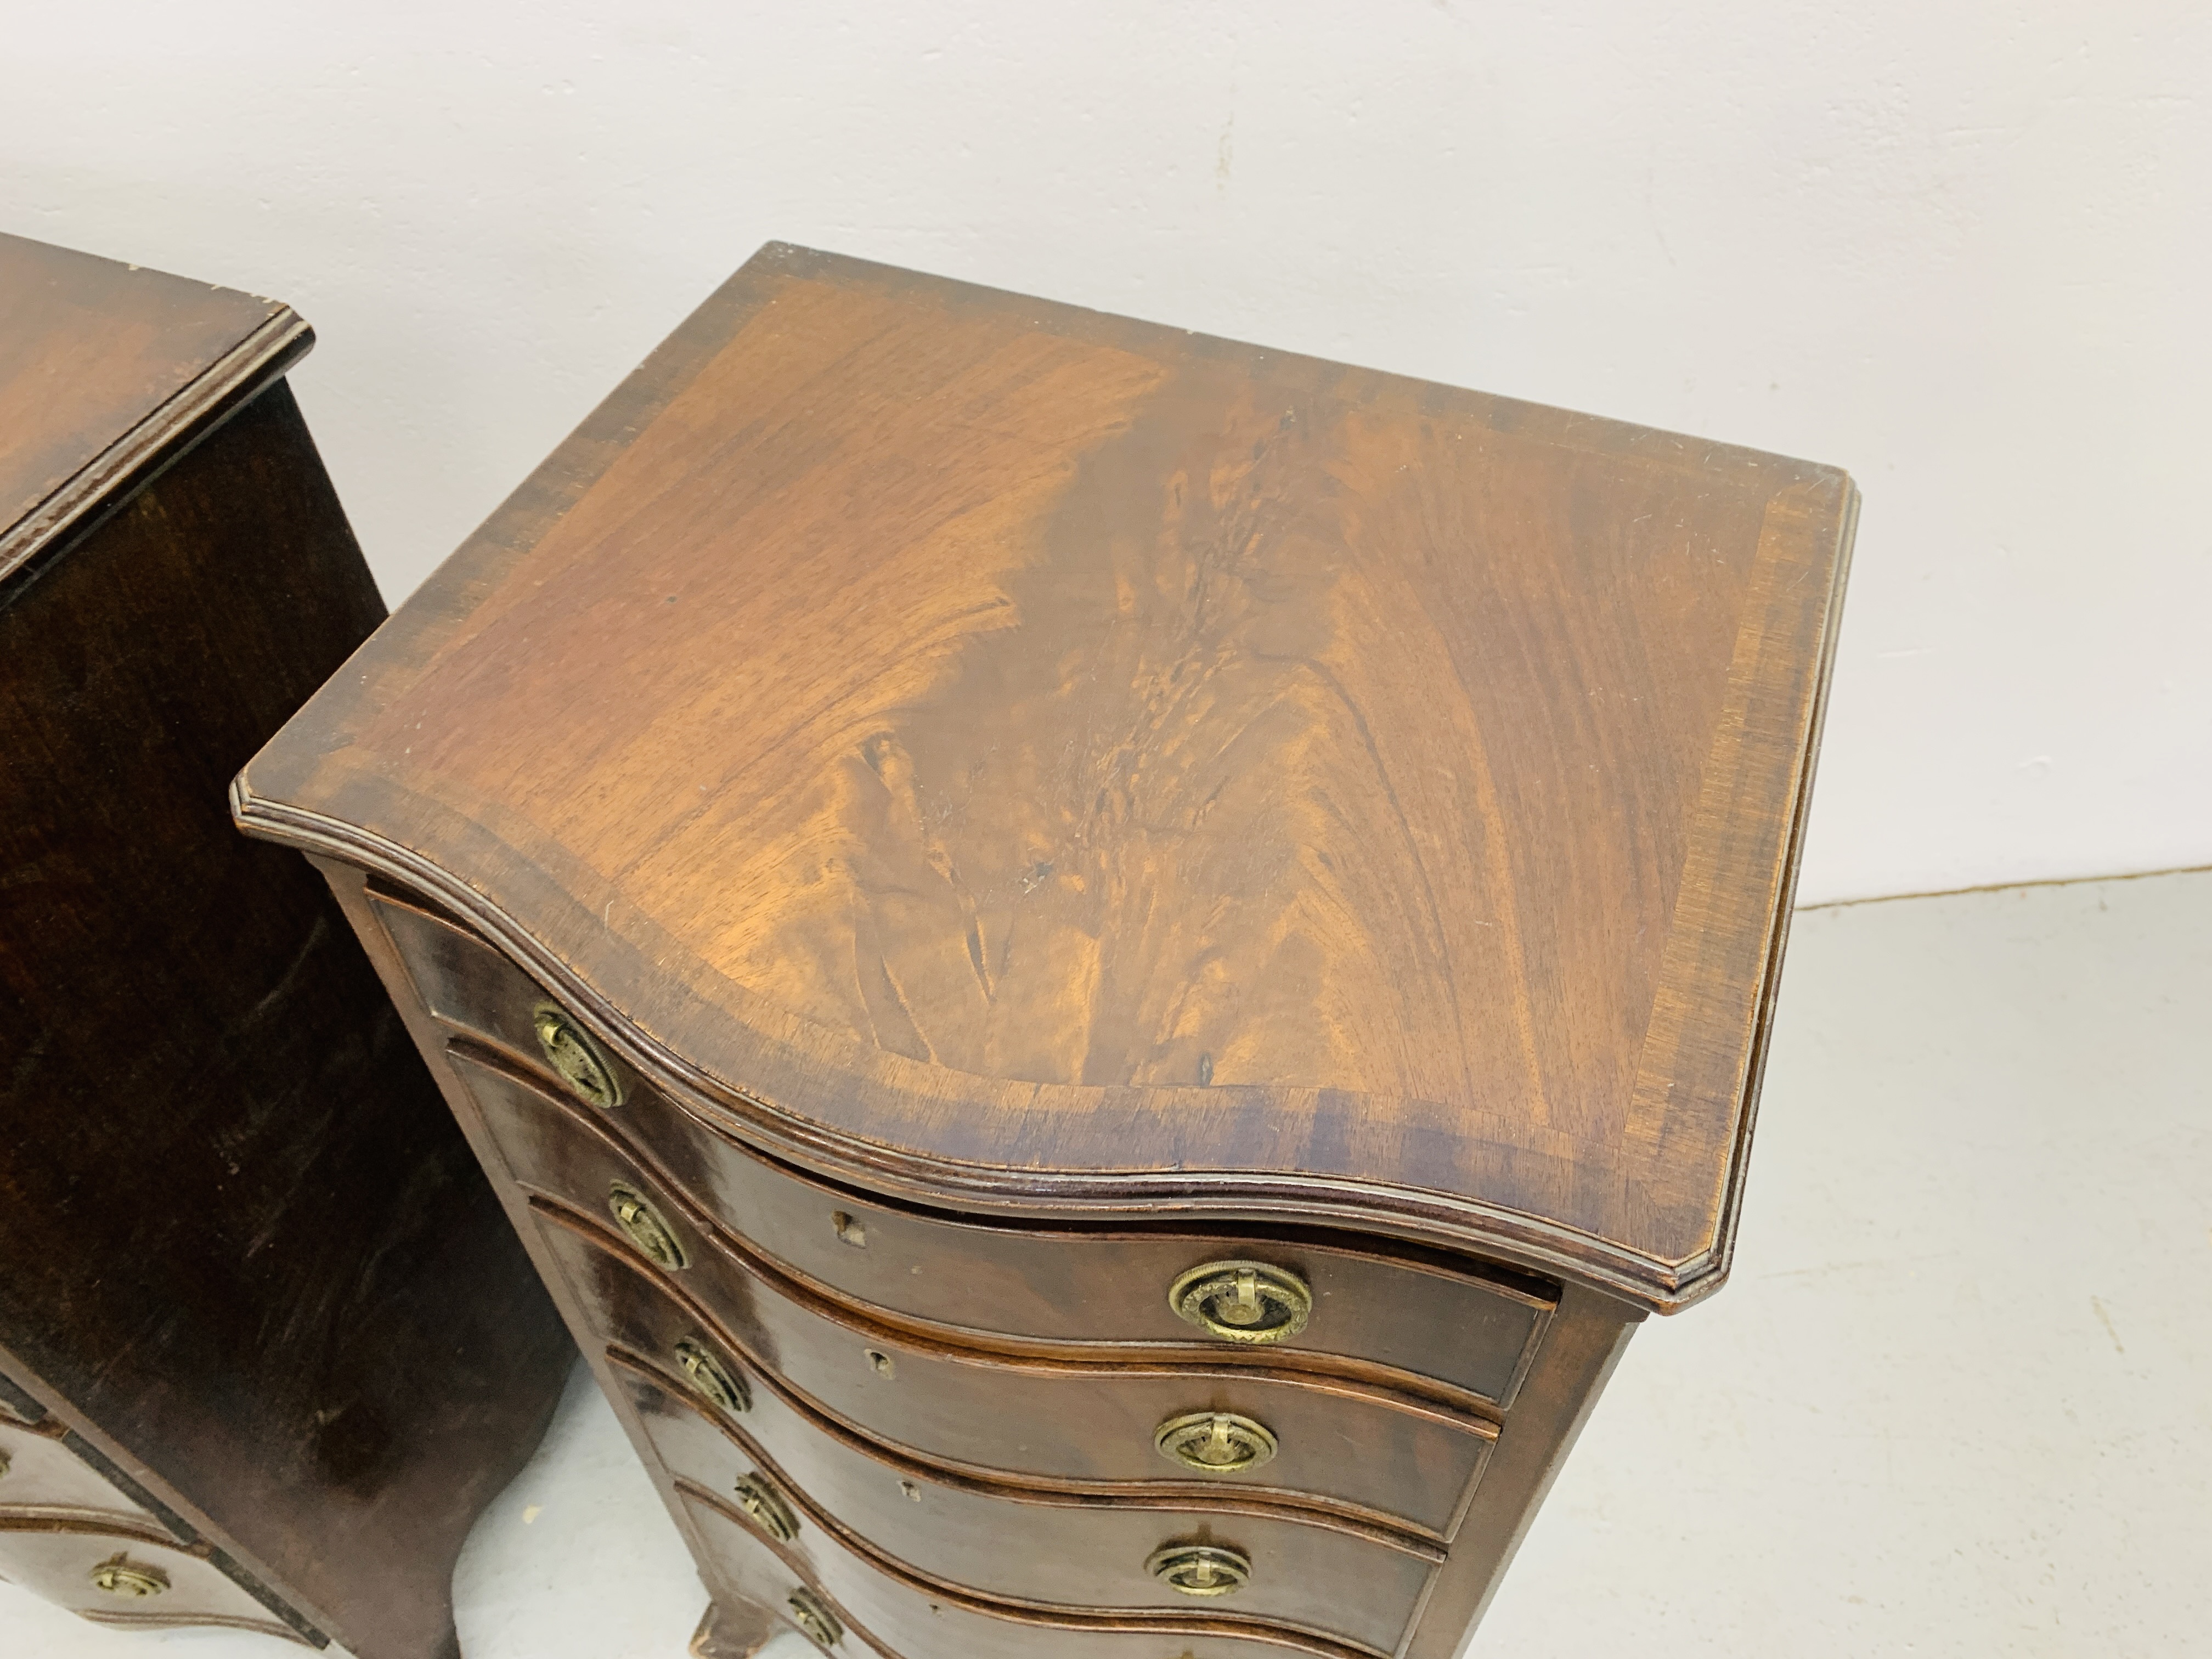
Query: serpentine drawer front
1414	1464
1450	1322
863	1604
131	1576
719	1420
1104	969
1071	1552
39	1470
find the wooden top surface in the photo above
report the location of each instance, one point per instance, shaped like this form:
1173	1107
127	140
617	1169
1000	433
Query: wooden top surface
1035	758
103	364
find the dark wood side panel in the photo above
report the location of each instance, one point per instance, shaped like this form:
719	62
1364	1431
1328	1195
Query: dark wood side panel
347	884
243	1236
1585	1344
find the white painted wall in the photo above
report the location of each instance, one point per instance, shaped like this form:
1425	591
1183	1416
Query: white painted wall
1963	249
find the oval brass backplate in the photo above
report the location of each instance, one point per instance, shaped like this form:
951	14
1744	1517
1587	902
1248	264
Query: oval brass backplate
765	1504
120	1575
1243	1301
1200	1569
819	1623
579	1060
712	1380
646	1228
1215	1442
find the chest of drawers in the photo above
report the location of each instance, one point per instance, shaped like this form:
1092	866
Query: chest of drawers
1104	968
267	1344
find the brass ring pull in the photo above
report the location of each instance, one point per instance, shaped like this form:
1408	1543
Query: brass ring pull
1215	1442
120	1575
819	1624
712	1380
765	1504
647	1229
1243	1301
577	1060
1200	1569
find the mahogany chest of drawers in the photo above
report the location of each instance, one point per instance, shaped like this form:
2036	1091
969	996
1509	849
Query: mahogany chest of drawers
1105	969
267	1344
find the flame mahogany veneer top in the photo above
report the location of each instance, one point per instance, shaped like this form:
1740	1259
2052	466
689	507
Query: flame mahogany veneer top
1043	760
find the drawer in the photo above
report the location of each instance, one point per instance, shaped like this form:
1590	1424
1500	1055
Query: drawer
1007	1540
1441	1318
877	1609
37	1471
1364	1450
125	1577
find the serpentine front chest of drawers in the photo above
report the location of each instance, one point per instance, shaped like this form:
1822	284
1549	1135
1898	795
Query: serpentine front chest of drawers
1104	968
267	1344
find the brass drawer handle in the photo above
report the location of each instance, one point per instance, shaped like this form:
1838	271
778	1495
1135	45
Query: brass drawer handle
1243	1301
120	1575
1200	1569
572	1054
765	1504
646	1226
713	1380
1215	1442
819	1624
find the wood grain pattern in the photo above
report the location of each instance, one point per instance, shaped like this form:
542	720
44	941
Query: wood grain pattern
1021	1545
997	752
1415	1318
623	1306
252	1278
39	1470
1585	1344
633	1312
732	1629
1075	1427
53	1556
98	360
887	1612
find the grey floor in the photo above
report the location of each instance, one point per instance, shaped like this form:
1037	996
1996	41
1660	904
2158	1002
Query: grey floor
1957	1399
